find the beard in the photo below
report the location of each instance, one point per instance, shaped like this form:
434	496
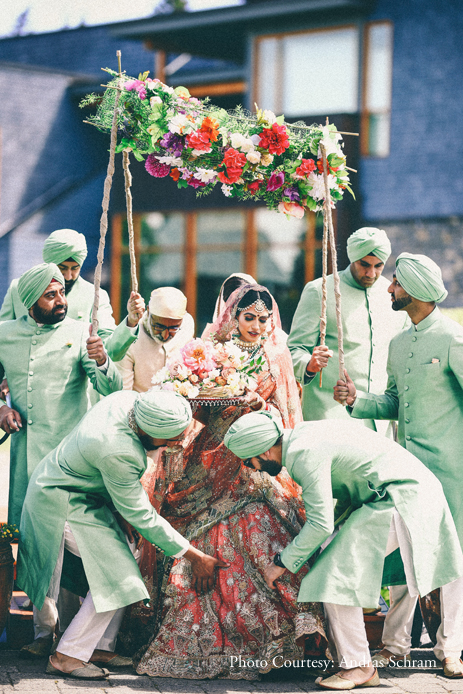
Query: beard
399	304
271	467
68	285
50	317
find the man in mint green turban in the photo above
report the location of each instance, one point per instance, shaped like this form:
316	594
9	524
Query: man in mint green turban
425	394
68	249
368	327
386	498
48	360
92	483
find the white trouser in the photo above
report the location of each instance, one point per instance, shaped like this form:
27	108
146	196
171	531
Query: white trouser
53	613
90	629
399	621
346	625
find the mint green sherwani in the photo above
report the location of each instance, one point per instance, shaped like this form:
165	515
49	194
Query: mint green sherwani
369	324
425	393
98	465
117	340
374	475
47	368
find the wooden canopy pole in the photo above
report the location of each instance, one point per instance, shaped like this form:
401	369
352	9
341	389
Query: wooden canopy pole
105	206
337	290
324	277
128	201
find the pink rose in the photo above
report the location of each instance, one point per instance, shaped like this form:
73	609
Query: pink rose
199	357
292	209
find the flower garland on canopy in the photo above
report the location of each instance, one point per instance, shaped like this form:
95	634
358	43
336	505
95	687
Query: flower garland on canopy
200	145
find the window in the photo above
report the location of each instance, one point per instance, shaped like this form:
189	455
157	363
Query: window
377	89
309	73
196	251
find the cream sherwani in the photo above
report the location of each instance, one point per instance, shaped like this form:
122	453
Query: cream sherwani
147	355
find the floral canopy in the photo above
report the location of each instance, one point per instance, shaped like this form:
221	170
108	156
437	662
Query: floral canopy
252	156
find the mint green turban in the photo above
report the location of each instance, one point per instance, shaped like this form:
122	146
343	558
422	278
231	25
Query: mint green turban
63	244
421	277
162	414
253	434
368	241
32	284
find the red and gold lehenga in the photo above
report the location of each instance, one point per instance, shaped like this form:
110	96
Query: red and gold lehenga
244	518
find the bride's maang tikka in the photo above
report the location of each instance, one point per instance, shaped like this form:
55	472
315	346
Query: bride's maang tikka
259	305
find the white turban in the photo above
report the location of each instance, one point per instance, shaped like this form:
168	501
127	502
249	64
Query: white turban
368	241
162	414
253	434
167	302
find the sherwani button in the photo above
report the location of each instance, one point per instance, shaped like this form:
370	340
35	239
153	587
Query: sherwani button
31	373
30	405
29	389
407	421
414	338
29	421
406	387
406	404
408	438
407	371
34	342
410	354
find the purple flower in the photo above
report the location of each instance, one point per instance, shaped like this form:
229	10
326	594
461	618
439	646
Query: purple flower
291	193
275	181
155	168
186	174
173	143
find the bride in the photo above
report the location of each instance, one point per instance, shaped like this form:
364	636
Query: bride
240	516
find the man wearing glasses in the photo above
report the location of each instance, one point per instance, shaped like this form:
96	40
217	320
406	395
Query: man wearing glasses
166	327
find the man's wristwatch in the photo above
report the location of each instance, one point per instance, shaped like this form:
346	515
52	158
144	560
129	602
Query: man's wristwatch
277	561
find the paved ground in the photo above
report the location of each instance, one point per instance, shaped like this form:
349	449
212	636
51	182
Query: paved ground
28	677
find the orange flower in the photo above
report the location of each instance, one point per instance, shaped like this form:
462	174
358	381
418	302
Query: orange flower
175	174
210	126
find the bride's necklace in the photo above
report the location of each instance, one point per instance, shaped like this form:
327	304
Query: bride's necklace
247	346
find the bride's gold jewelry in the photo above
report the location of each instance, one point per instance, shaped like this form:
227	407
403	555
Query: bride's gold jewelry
259	305
248	346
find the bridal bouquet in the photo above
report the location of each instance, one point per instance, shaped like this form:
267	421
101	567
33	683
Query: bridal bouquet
209	369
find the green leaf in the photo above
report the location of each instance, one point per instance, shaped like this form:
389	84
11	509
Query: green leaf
280	119
311	203
334	160
143	75
181	183
137	155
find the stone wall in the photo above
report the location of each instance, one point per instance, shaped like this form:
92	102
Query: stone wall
439	238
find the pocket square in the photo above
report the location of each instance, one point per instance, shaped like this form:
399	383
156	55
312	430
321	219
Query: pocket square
435	361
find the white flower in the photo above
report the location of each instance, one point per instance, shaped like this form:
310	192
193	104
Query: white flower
318	185
205	175
180	125
199	152
161	375
183	371
266	159
226	190
331	142
165	88
224	133
255	139
187	389
253	157
233	351
237	140
155	100
213	374
269	116
172	161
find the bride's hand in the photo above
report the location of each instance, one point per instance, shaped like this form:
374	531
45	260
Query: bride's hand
254	401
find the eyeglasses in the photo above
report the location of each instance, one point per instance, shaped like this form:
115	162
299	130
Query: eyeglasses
159	328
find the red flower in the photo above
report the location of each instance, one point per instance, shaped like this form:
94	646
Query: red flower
199	140
231	175
175	174
233	158
275	139
210	127
306	167
233	162
254	186
330	168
